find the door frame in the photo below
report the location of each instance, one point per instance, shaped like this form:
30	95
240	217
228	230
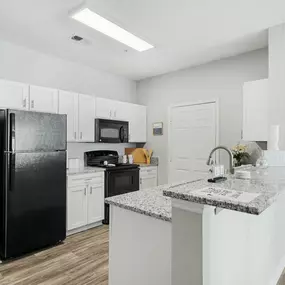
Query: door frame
200	102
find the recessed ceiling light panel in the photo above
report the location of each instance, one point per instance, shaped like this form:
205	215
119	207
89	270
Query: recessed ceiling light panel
95	21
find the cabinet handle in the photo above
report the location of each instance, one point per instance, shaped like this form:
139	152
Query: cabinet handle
140	181
24	103
110	114
32	104
85	191
90	190
80	135
75	135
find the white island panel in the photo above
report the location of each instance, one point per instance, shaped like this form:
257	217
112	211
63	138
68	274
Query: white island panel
140	249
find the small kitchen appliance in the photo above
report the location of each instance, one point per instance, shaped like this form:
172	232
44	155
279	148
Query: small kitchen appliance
111	131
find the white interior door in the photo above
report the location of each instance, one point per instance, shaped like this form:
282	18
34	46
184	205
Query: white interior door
192	137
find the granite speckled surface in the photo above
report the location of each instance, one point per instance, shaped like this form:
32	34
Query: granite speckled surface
83	170
150	202
146	165
267	194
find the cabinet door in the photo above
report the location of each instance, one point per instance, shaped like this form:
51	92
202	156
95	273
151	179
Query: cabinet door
121	111
95	203
76	207
105	108
137	124
14	95
148	182
43	99
255	110
68	104
86	117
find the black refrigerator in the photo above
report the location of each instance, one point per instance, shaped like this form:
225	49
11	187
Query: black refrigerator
33	181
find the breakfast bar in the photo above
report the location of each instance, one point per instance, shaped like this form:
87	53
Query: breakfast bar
205	234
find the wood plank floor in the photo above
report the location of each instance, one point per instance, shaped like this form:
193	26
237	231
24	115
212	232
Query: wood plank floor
81	260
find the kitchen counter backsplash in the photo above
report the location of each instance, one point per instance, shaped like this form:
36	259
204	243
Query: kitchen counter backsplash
83	170
153	161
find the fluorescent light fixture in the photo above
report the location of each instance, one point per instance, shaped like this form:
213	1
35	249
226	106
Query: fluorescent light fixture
95	21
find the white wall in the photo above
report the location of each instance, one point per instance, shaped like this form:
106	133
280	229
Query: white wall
221	79
25	65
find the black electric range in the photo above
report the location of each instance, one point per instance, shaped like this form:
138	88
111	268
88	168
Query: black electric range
120	178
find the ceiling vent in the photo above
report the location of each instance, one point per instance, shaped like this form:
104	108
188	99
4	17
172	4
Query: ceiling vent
76	38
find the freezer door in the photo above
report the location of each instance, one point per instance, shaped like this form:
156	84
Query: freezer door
34	131
36	201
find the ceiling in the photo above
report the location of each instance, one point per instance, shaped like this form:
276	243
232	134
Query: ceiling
184	32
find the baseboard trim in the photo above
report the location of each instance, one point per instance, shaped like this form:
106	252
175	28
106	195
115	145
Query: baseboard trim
84	228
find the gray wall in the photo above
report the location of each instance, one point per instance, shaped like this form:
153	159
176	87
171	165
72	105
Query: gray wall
25	65
221	79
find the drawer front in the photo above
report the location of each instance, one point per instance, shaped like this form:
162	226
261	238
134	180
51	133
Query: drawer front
93	178
148	171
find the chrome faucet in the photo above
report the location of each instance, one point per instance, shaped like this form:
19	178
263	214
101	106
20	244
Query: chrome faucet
232	170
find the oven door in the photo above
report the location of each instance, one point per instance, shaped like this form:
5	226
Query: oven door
120	182
111	131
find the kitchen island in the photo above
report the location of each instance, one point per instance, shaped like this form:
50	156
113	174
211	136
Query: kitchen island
220	234
140	238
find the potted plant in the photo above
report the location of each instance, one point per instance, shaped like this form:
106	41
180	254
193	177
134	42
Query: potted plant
240	154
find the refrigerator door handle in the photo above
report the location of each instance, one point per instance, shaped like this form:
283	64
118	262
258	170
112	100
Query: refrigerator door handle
10	171
12	133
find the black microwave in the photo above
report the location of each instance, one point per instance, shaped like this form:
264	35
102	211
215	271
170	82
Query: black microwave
111	131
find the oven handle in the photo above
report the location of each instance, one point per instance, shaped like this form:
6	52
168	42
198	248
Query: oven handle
122	134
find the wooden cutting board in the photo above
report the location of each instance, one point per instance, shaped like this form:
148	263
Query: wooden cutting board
138	154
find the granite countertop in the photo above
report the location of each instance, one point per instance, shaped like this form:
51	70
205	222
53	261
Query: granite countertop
150	202
253	198
83	170
146	165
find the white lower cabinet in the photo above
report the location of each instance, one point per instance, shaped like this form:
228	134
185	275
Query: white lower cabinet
76	207
148	177
95	205
85	201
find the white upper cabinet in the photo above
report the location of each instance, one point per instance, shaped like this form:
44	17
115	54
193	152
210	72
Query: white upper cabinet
137	123
86	118
14	95
121	111
112	109
255	110
68	104
105	108
43	99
